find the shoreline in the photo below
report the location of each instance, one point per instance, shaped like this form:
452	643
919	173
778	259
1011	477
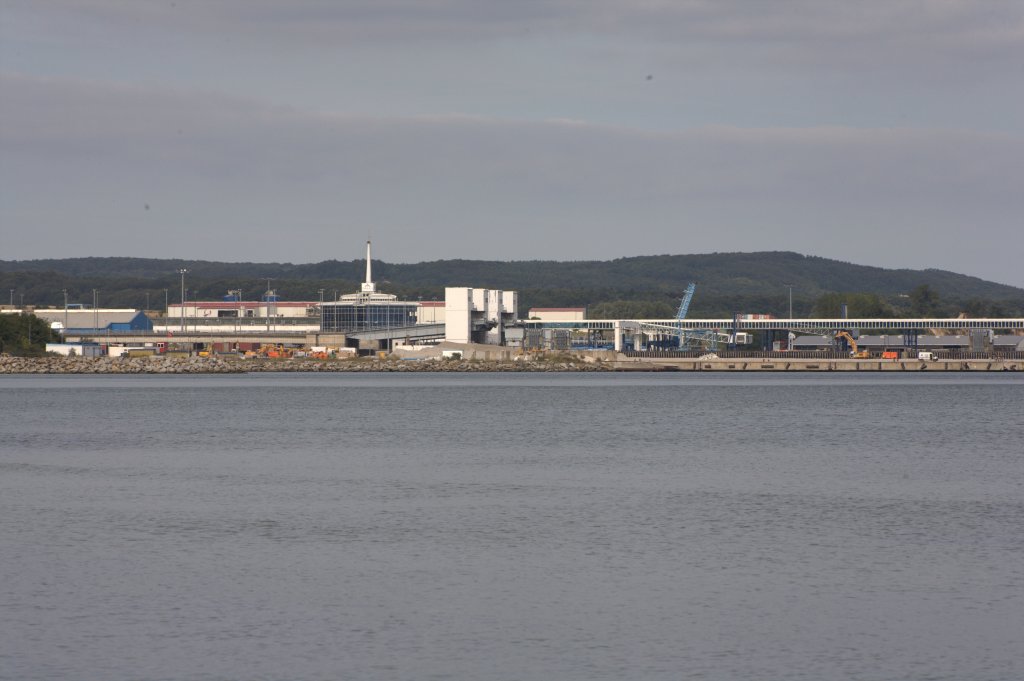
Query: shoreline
217	365
523	364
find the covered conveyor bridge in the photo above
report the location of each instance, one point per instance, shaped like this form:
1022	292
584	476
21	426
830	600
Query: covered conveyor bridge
907	326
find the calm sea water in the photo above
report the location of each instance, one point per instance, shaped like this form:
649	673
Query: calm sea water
663	526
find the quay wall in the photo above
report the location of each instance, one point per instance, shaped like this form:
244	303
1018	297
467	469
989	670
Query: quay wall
775	364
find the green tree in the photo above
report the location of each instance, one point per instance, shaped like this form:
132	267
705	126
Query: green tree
24	334
924	301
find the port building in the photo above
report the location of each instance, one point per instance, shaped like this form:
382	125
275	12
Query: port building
81	320
473	315
368	309
268	307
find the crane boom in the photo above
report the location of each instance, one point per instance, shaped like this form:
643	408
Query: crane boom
684	307
684	304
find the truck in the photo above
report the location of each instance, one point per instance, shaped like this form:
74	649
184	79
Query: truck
927	356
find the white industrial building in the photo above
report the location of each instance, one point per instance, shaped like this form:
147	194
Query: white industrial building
234	309
473	315
80	320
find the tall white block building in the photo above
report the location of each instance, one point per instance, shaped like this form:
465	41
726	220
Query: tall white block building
474	315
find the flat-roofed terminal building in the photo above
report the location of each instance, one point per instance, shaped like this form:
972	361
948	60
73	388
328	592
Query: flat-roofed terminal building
368	309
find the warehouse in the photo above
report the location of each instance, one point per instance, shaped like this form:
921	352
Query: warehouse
85	321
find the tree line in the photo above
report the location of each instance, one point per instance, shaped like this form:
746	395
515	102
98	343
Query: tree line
648	286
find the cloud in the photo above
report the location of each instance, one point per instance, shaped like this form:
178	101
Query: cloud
991	26
232	179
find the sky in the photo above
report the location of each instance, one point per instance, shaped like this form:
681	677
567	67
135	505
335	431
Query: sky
880	132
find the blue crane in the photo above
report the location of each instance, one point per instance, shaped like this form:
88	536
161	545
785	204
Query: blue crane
684	306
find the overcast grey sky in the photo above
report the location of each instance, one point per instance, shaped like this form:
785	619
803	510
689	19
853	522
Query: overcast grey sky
886	132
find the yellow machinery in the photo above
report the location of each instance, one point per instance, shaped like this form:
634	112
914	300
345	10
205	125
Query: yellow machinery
278	351
861	354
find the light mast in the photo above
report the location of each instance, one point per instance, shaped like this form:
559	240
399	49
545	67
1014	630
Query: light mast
368	285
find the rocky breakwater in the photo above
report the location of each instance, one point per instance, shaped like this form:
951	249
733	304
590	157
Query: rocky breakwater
216	365
118	365
424	365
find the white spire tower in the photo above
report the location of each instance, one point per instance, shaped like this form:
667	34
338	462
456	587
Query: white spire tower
368	285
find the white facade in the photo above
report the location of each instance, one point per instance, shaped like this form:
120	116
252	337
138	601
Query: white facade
76	349
228	309
561	314
458	314
478	315
430	312
510	303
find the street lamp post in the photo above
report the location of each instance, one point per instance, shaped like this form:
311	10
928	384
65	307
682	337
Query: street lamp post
321	308
182	272
267	297
236	293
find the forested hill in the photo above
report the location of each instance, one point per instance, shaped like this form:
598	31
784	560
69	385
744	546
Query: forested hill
727	282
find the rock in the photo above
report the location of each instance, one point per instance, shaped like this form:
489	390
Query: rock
218	365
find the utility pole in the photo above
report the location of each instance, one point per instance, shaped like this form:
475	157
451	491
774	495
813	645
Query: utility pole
182	272
267	300
321	291
790	286
95	310
64	333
